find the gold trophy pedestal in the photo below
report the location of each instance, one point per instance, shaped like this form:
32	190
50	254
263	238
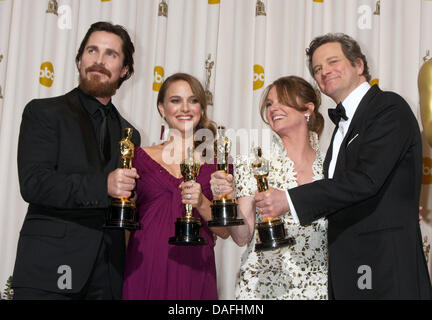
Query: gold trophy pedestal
187	228
122	215
224	211
272	232
224	214
187	232
122	212
272	235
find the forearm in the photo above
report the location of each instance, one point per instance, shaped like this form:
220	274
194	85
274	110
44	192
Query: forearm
243	234
50	188
389	141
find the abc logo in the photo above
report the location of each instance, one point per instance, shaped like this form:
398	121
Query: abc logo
258	80
158	78
46	74
427	171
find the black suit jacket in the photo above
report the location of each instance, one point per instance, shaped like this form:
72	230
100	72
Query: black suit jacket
63	179
372	204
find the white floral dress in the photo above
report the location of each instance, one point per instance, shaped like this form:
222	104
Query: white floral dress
296	272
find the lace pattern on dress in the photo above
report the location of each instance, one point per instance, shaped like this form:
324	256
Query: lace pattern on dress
296	272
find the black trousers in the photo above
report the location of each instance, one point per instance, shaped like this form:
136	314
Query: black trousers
98	286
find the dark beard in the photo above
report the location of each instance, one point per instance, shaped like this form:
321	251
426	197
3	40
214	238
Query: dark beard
94	87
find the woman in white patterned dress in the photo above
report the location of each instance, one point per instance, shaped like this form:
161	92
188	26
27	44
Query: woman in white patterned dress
290	107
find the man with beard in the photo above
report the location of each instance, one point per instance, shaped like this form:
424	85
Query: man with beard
67	160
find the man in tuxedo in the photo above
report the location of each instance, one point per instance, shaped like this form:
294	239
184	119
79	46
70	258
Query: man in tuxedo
370	194
67	159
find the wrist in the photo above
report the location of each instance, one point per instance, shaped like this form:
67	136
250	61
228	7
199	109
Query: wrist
204	203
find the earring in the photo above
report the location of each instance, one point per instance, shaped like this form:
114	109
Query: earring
165	131
307	115
162	132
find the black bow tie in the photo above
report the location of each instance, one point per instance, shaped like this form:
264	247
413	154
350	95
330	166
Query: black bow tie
337	114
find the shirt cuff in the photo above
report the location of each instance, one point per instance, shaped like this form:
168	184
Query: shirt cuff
292	209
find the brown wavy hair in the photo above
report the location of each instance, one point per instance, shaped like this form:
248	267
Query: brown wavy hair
295	92
198	91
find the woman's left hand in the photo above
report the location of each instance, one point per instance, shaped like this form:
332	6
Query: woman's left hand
191	193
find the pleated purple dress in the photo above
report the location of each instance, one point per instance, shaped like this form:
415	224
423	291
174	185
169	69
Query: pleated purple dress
155	269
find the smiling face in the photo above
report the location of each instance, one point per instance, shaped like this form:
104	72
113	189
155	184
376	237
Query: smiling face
283	118
334	73
180	108
101	64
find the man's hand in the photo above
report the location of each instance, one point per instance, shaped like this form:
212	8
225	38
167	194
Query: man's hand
121	182
271	203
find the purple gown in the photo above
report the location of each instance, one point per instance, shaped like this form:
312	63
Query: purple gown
155	269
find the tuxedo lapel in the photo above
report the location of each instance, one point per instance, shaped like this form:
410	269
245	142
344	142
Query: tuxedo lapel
123	125
329	154
135	134
362	108
358	115
86	128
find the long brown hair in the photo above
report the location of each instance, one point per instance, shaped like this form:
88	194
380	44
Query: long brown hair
198	91
294	92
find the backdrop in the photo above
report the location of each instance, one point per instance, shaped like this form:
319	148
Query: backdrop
235	47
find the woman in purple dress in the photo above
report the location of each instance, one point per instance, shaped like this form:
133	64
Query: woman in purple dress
155	269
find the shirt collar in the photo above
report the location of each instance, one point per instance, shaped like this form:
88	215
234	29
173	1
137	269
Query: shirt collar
353	100
92	105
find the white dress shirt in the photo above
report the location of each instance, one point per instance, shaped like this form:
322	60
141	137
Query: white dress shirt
350	104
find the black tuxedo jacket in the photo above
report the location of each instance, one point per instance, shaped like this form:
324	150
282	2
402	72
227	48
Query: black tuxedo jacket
63	179
372	204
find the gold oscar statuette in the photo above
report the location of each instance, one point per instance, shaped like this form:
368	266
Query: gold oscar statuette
122	212
52	7
163	9
377	11
209	64
271	231
187	228
425	92
224	210
260	9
